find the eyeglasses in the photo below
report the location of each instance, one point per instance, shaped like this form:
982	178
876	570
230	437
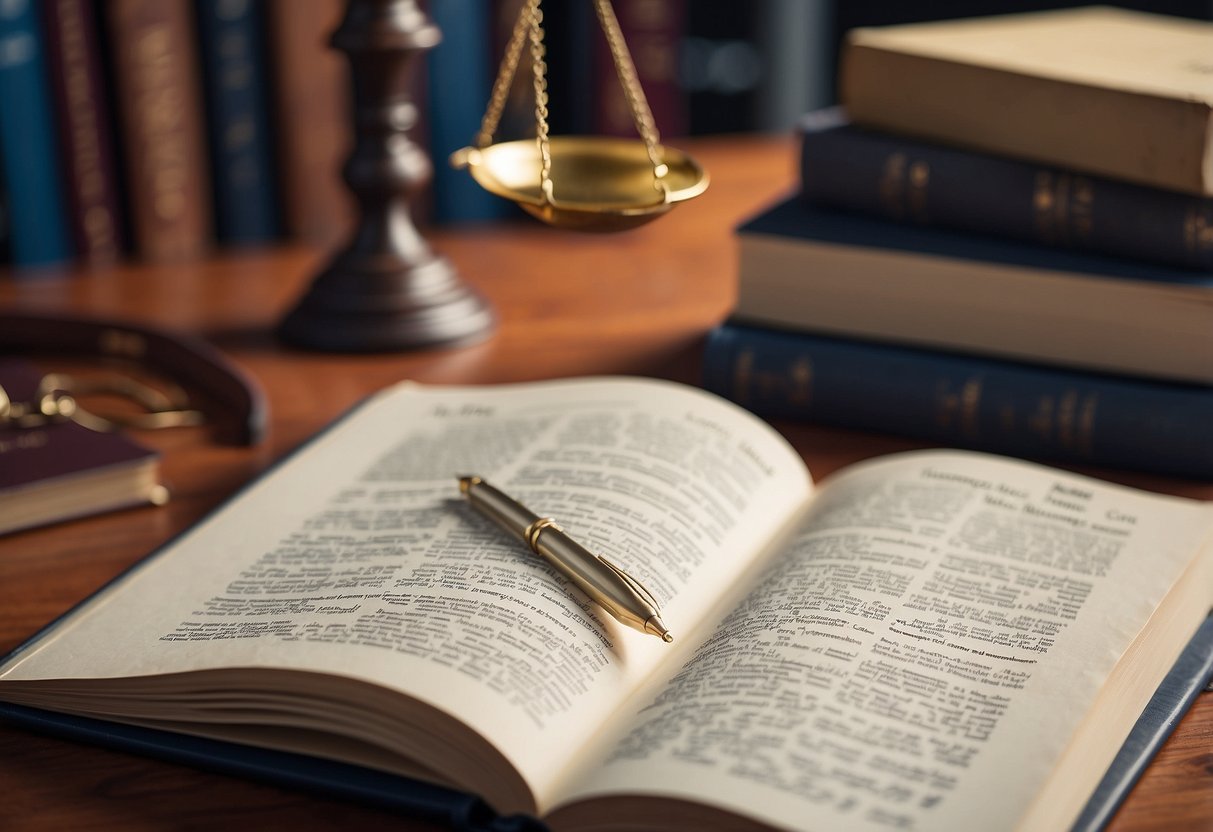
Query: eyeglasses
231	400
56	399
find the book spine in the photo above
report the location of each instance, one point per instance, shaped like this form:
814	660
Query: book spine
652	30
983	404
904	180
160	110
314	132
1068	124
28	147
459	79
236	88
85	129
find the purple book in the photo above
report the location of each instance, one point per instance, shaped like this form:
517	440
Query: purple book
61	470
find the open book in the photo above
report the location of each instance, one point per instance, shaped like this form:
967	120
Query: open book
934	640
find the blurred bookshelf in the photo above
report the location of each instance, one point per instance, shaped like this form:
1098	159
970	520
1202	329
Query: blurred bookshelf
164	130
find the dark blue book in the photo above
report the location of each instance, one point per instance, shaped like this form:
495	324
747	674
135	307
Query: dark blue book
841	273
984	404
467	813
913	181
234	74
460	73
28	146
1191	674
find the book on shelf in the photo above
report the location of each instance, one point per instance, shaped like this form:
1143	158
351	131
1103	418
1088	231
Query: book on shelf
967	401
1106	91
61	470
312	110
153	47
908	180
459	78
844	274
236	88
652	31
39	231
87	151
942	638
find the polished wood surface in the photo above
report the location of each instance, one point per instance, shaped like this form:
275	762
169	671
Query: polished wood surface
637	303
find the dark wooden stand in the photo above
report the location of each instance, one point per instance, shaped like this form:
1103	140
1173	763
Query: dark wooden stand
386	290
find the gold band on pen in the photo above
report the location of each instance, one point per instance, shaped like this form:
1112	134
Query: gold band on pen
532	531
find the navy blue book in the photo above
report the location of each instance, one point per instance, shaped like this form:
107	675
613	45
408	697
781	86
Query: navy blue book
917	182
1191	674
236	86
464	812
459	73
40	232
965	401
875	649
841	273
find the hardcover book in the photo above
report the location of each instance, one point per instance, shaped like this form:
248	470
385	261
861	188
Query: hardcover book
38	228
967	401
924	183
159	94
236	85
85	129
313	112
939	639
61	470
1105	91
835	273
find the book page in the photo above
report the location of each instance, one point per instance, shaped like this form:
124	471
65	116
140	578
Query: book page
358	558
921	655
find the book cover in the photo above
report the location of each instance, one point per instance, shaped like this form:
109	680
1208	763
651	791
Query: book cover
468	813
58	470
154	52
1105	91
28	143
965	401
244	190
840	273
653	31
82	106
314	132
459	78
907	180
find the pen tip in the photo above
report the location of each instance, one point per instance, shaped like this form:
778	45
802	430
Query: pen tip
657	627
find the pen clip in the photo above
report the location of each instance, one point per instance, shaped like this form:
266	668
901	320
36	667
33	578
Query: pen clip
632	583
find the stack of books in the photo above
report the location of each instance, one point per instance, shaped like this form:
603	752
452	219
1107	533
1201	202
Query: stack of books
1003	240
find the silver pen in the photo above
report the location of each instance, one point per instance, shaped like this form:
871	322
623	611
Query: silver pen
606	584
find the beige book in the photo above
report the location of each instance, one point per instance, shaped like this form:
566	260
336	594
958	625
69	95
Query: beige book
934	640
1118	93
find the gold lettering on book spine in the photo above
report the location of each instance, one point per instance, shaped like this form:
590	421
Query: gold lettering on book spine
1198	229
1063	207
893	184
920	178
743	376
98	222
795	386
960	410
160	108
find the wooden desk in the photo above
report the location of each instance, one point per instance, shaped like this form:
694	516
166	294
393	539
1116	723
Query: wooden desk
569	305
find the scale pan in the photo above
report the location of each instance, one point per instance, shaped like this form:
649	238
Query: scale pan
598	183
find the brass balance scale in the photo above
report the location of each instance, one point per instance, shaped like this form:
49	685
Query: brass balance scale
386	290
586	183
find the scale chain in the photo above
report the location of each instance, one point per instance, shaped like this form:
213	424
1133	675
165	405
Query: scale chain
528	27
